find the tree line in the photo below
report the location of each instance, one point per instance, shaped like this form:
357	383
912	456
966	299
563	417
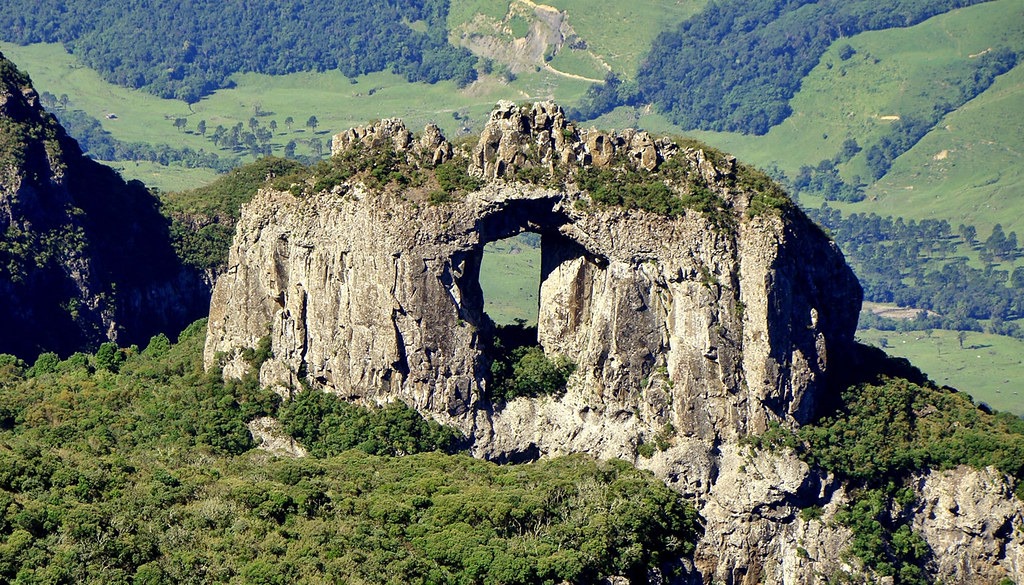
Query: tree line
734	66
919	264
185	50
99	144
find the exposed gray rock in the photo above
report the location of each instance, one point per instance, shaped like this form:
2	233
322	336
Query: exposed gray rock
431	146
540	135
973	524
717	328
270	437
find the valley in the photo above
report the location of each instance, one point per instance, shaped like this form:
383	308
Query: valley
460	322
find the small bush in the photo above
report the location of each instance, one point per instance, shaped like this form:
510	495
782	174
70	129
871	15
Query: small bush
531	374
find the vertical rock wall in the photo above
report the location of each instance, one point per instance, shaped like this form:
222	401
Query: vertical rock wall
716	328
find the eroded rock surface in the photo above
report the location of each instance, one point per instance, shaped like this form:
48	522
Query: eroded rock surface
718	327
973	524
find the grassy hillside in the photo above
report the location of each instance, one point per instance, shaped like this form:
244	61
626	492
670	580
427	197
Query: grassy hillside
618	34
337	102
988	367
969	168
901	72
186	49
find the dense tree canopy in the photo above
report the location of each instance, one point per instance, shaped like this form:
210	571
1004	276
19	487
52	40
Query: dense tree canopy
147	474
735	66
922	264
185	50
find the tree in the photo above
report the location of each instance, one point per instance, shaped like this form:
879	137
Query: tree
48	100
969	233
848	150
1010	246
253	124
201	127
312	123
289	149
288	123
273	125
997	241
961	336
180	123
64	100
316	146
108	357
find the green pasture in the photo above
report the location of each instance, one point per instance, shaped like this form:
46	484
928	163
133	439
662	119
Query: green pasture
510	279
989	367
337	102
969	169
164	178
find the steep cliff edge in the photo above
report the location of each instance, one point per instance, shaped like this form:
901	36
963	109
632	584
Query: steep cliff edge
86	256
698	306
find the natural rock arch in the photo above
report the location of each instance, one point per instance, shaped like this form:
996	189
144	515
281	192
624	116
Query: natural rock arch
718	330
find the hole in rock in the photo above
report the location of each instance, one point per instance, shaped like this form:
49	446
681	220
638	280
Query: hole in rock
510	279
510	283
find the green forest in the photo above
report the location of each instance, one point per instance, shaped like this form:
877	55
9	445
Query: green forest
924	265
186	50
135	466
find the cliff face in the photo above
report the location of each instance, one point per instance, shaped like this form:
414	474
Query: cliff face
718	323
86	255
716	329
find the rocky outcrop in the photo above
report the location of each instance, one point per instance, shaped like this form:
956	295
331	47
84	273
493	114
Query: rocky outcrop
718	327
718	330
973	524
712	325
540	135
431	145
86	256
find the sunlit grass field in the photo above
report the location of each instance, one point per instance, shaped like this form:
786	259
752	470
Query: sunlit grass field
337	102
989	367
510	279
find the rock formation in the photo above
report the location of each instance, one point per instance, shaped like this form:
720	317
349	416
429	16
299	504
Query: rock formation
718	324
86	256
